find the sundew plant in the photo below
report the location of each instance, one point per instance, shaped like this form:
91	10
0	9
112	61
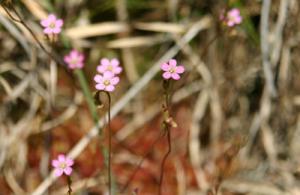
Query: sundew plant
149	97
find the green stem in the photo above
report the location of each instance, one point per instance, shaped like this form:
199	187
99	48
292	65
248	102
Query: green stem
87	93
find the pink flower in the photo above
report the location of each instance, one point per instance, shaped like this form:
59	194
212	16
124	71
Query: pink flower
107	81
74	59
52	25
109	65
233	17
62	165
172	70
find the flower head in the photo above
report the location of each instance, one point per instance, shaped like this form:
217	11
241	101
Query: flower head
106	82
52	25
62	165
74	59
171	70
109	65
232	18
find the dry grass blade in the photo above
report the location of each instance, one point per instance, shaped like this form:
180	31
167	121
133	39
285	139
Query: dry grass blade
14	31
251	188
35	8
161	27
136	41
100	29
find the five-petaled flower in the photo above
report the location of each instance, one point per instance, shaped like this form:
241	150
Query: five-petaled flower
232	18
62	165
171	70
109	65
107	81
52	25
74	59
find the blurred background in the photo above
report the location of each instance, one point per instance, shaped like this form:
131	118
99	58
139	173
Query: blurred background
236	106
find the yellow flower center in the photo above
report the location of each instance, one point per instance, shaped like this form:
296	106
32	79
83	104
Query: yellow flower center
106	82
74	61
109	67
172	70
52	25
62	165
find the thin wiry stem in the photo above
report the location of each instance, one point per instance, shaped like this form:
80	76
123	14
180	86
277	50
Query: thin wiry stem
69	185
109	145
165	159
167	126
21	21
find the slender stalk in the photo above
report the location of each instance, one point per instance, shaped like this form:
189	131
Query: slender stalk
164	160
69	185
109	146
21	21
87	93
167	126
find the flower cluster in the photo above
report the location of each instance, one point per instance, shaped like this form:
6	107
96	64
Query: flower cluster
232	17
62	165
171	70
52	25
74	59
107	79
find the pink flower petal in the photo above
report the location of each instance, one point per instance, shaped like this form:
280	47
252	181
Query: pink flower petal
67	59
59	23
61	158
179	69
238	20
104	61
101	69
80	65
115	80
230	23
47	30
107	75
58	172
51	17
167	75
81	57
118	70
56	30
234	12
114	62
109	88
55	163
100	86
98	78
45	23
68	170
175	76
165	67
69	162
172	62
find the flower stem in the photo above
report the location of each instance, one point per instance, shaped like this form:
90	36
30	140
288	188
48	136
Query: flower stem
69	185
167	124
87	93
109	145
